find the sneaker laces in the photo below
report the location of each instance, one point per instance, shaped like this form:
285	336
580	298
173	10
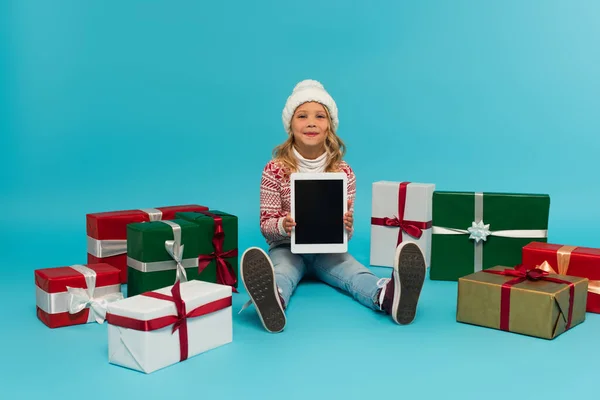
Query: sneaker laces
249	302
382	284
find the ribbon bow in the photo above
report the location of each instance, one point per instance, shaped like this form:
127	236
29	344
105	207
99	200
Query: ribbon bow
225	273
520	271
80	299
593	285
409	227
175	250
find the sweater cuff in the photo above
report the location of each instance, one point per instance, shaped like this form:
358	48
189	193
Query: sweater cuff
280	227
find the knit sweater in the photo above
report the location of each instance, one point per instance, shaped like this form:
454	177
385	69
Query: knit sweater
275	200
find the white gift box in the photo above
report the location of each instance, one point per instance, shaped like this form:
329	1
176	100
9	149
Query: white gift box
141	332
400	211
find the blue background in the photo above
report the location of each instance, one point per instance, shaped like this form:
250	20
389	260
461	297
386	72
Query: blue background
132	104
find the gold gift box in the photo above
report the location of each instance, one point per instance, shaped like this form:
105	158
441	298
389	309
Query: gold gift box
532	307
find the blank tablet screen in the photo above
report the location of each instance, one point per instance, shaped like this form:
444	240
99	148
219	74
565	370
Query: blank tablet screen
319	211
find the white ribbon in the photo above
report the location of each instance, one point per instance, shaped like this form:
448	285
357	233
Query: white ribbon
175	250
80	299
106	247
153	213
480	231
156	266
101	248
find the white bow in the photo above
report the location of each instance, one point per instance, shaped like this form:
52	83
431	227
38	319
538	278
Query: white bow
175	250
479	231
80	299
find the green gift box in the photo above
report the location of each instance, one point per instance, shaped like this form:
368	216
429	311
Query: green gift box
476	231
218	246
161	252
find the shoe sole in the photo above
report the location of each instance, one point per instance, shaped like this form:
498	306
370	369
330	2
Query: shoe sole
258	278
409	275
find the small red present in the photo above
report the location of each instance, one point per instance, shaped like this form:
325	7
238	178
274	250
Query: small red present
583	262
77	294
107	232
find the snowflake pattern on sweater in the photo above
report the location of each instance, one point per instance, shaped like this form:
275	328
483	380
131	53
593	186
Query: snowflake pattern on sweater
275	199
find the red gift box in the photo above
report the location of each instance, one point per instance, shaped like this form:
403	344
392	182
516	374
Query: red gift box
107	232
583	262
75	295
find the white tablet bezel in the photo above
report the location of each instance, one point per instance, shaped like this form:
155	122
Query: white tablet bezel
318	247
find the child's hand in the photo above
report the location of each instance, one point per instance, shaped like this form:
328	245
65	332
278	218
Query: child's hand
349	217
288	224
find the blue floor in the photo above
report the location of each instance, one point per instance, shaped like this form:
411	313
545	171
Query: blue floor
332	347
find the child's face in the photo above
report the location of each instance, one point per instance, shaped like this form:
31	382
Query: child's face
309	125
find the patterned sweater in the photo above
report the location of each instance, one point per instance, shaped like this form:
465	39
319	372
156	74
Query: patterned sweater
275	201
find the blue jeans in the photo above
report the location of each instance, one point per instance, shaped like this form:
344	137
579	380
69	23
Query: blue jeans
339	270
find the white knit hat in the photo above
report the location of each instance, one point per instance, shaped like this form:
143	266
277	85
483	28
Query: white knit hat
306	91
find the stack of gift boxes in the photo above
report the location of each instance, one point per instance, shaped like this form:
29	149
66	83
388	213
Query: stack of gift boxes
180	265
495	246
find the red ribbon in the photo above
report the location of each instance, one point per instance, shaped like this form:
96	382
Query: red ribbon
522	274
178	321
225	273
412	228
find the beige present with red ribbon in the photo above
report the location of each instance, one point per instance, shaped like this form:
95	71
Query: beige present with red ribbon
526	301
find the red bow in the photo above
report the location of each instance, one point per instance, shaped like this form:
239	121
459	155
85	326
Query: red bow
521	274
520	271
225	273
412	228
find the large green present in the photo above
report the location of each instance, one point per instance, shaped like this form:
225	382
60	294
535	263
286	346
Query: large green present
160	253
476	231
218	246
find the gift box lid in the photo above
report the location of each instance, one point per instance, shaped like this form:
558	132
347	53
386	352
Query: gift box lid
113	224
56	280
194	293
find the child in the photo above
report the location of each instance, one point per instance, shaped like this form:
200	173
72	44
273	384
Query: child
310	118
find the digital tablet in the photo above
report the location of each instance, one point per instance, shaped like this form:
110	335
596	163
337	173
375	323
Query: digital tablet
319	202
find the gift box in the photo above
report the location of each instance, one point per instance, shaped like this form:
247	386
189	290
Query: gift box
218	243
529	302
75	295
475	231
159	253
567	260
400	211
107	232
156	329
